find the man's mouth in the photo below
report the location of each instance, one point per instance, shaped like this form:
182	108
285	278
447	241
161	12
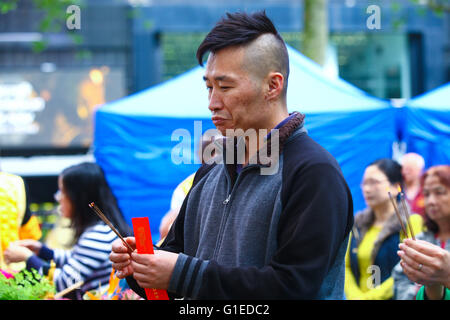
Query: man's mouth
218	120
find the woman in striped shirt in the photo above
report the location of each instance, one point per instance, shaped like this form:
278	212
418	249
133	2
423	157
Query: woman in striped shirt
88	260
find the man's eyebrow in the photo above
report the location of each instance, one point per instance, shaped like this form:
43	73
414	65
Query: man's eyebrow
219	78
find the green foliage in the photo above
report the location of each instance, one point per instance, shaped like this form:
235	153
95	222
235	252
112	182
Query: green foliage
53	19
38	46
26	285
179	51
8	5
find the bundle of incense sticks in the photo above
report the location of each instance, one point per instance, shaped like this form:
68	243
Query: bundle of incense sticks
108	223
402	210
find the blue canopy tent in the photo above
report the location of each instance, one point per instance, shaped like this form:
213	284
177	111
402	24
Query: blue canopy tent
353	126
134	141
427	126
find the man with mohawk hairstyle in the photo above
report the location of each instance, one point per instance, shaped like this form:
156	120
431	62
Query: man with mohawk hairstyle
243	232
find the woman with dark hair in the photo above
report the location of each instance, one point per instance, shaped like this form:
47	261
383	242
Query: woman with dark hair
372	252
88	260
426	261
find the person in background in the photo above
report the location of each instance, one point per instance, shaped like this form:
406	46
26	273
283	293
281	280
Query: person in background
424	270
88	260
412	169
372	252
183	187
16	220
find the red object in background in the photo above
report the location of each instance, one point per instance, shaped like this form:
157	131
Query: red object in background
144	245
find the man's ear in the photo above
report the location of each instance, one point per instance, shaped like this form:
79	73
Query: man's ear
275	84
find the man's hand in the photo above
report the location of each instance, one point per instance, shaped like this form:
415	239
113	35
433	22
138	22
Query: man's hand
120	257
425	263
153	270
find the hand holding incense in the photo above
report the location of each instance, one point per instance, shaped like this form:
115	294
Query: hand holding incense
108	223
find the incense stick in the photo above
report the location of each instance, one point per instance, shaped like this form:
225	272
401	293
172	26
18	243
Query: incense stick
105	220
406	213
398	214
68	289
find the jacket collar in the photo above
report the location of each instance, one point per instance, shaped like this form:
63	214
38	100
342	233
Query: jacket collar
290	127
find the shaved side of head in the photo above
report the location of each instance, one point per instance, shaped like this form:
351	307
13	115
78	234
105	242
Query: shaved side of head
267	54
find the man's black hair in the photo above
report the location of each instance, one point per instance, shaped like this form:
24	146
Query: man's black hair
236	29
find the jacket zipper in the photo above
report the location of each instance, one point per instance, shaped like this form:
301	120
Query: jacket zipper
226	212
227	199
230	190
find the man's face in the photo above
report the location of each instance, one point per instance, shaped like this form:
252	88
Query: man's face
236	99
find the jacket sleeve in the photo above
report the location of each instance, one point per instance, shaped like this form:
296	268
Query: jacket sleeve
316	219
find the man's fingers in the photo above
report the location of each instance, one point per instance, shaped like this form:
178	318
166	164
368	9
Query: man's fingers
120	261
125	272
119	247
140	267
119	257
120	266
131	241
141	258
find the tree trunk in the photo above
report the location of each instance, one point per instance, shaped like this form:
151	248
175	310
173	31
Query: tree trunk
315	30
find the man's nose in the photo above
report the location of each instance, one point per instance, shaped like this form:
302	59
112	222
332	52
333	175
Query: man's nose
215	100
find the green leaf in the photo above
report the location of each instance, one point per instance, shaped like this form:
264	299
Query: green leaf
25	285
6	6
39	46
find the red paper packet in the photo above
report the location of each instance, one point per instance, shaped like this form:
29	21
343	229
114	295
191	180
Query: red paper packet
144	244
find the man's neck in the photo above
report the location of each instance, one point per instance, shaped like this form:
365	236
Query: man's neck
261	134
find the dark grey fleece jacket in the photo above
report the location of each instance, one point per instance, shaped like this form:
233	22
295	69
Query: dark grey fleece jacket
254	236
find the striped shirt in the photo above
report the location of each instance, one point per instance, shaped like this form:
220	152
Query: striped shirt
87	261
